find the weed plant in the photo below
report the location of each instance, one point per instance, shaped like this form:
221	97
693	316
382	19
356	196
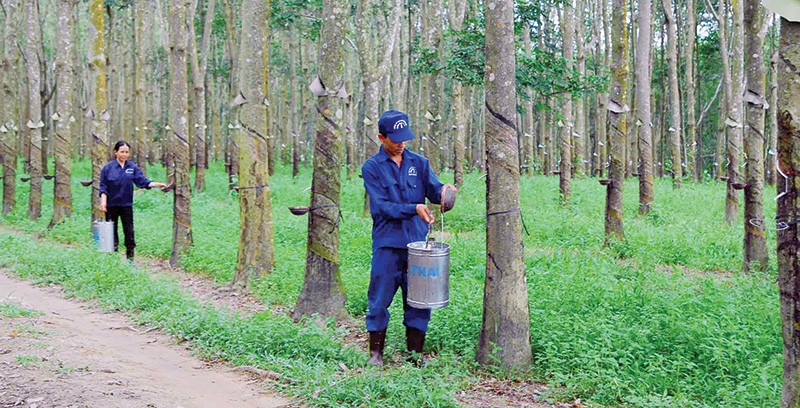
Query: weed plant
663	318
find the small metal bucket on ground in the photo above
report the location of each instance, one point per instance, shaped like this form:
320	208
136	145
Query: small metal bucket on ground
428	274
103	235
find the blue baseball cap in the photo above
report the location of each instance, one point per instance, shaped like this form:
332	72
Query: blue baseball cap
394	125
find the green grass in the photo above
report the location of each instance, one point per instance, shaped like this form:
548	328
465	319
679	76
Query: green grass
27	360
12	310
663	318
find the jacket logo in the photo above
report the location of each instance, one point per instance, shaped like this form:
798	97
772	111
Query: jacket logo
412	171
128	171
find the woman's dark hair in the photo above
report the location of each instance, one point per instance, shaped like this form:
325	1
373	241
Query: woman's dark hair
120	144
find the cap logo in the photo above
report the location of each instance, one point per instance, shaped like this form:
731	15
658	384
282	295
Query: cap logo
400	124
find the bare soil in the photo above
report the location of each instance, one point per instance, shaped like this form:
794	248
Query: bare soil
74	355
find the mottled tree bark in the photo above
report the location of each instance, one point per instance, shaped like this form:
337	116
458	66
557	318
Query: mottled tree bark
674	95
139	107
505	334
35	122
789	208
322	292
179	132
62	146
618	109
456	12
604	54
643	108
373	65
256	235
722	33
231	43
565	135
691	100
772	140
527	160
755	240
580	135
98	113
433	138
199	63
735	120
8	98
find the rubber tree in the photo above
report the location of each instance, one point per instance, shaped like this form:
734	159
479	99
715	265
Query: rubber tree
505	334
755	238
567	123
179	131
788	210
617	109
373	68
35	122
643	108
690	35
256	231
323	293
98	109
199	61
674	94
62	146
139	104
8	98
455	13
735	119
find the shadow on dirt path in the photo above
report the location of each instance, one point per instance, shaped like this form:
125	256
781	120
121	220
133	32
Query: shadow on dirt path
74	355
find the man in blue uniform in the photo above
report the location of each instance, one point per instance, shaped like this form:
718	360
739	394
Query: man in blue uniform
398	182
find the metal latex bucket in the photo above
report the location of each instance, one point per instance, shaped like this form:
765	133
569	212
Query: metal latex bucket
428	275
103	235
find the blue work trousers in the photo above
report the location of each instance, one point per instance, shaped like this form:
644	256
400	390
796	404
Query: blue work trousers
388	273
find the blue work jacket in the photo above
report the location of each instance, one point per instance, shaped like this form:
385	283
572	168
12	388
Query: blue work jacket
394	193
117	182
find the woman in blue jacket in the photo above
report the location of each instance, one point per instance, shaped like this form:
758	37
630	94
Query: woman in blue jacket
116	193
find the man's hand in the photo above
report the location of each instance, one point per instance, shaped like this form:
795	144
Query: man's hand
103	202
425	213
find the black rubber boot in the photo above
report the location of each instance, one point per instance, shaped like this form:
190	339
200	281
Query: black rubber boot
129	254
415	341
376	342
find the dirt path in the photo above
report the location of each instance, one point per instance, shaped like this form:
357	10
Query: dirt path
73	355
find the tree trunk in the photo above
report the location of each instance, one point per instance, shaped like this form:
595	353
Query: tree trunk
505	335
433	139
735	119
755	240
62	198
788	210
231	43
643	109
199	64
8	98
691	100
256	236
98	112
580	135
322	291
618	110
604	55
568	34
35	122
674	95
772	145
139	105
456	13
178	135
